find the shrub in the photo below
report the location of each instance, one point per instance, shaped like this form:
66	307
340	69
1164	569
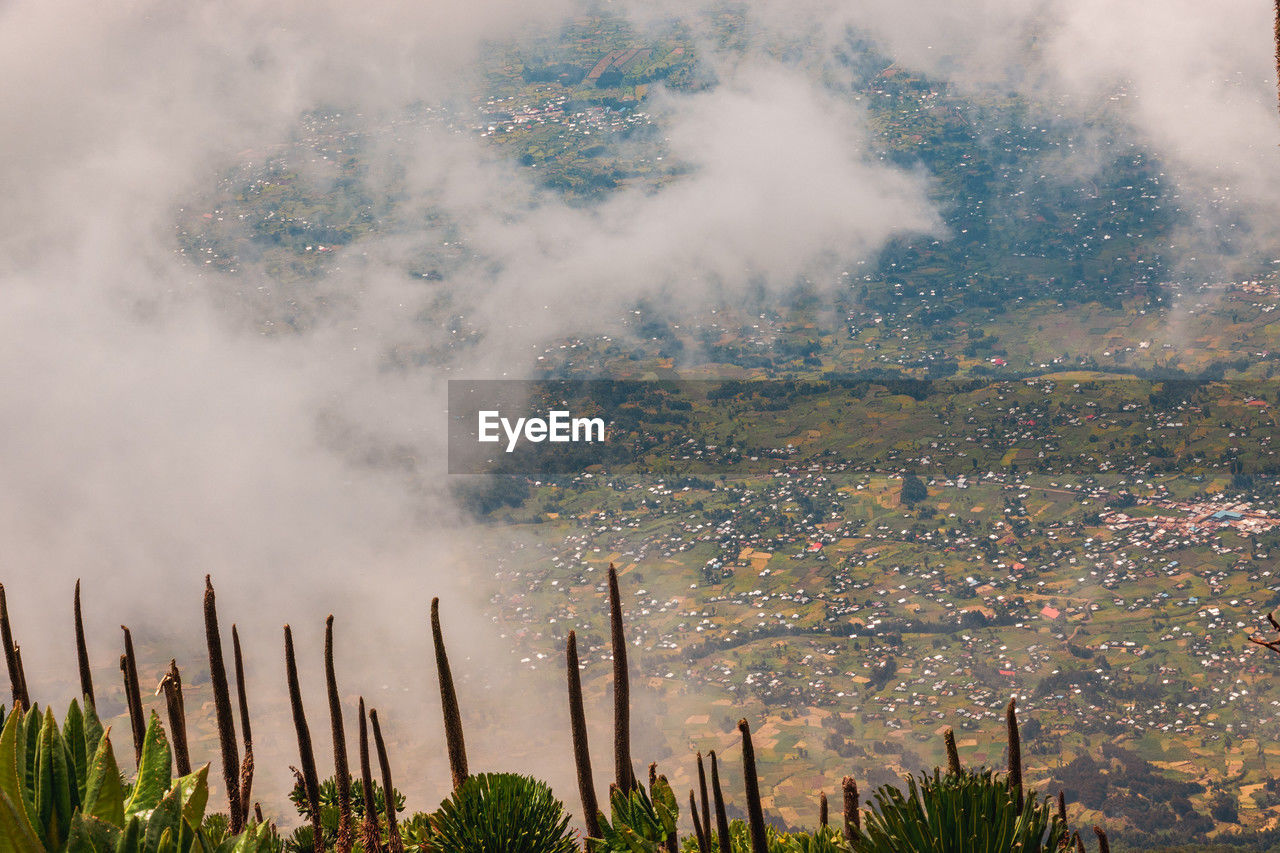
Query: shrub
974	811
501	813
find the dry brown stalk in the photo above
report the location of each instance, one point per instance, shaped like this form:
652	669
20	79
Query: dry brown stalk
454	742
755	811
706	808
341	775
852	815
171	684
394	842
246	782
222	708
22	673
82	653
722	817
699	835
581	754
1015	750
624	772
1277	41
17	679
133	694
953	754
369	831
246	766
310	781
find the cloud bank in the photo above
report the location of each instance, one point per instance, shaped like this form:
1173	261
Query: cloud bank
151	435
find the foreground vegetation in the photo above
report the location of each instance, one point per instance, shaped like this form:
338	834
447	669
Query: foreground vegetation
61	788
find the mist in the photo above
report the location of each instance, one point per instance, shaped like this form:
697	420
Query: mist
154	433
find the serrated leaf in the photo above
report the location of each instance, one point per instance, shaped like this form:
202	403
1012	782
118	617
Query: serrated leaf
130	837
55	783
164	818
93	730
153	770
45	821
18	823
251	840
255	838
16	835
28	739
104	794
664	801
73	735
193	793
78	754
90	835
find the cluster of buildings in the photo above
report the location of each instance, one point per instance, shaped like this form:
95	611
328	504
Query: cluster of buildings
507	114
883	621
1195	522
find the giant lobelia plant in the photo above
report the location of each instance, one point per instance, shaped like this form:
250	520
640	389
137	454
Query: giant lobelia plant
974	811
61	791
501	813
640	823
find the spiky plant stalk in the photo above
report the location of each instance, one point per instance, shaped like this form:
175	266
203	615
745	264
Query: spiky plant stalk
171	684
1277	40
706	807
755	812
822	809
222	708
17	679
722	817
133	694
1015	750
369	827
581	754
953	754
1103	846
700	836
310	781
246	767
623	770
448	702
653	776
1062	807
852	818
341	775
22	674
393	835
128	704
246	783
82	653
241	697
